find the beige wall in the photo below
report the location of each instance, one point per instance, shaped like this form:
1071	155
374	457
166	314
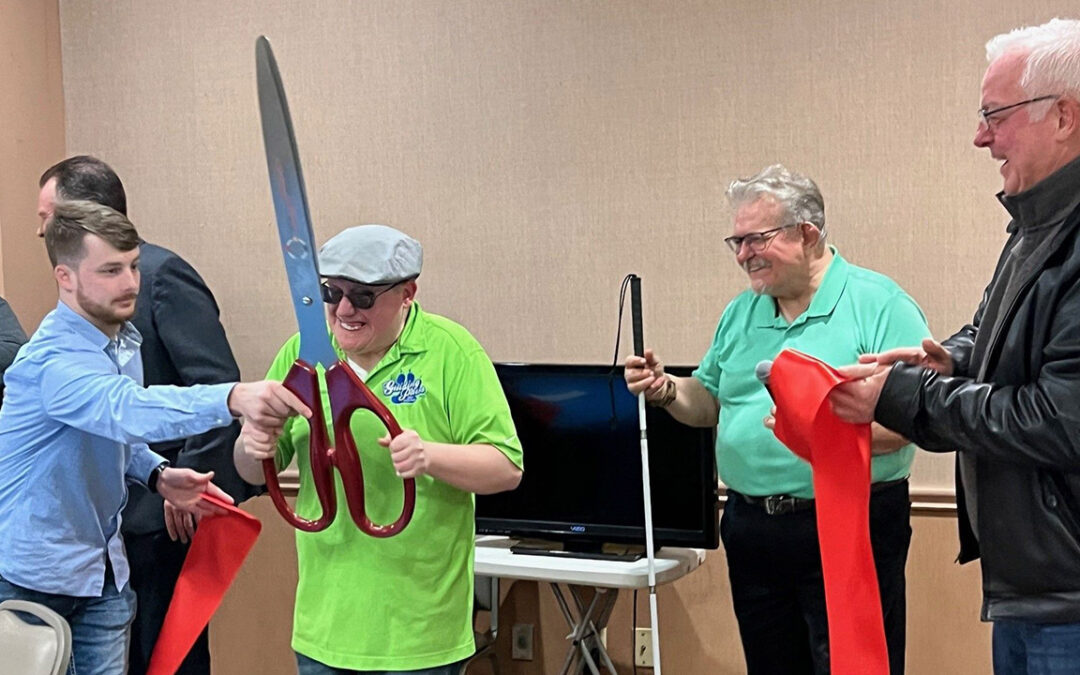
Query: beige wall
540	150
32	138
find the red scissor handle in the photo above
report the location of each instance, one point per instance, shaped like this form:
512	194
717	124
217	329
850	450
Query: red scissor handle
347	394
303	381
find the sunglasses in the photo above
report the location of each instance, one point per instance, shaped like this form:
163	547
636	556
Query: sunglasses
360	299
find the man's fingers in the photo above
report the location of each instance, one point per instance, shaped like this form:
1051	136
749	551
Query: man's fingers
260	452
203	508
268	404
170	526
215	491
934	349
634	361
182	528
260	435
291	401
909	355
188	529
858	371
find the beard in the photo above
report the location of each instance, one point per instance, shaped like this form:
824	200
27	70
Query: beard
109	314
758	286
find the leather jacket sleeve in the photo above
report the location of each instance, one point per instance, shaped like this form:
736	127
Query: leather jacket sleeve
1036	422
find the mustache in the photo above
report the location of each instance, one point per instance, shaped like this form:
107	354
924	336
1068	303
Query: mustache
754	264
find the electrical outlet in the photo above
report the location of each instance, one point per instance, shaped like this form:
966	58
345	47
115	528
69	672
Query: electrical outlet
643	647
521	645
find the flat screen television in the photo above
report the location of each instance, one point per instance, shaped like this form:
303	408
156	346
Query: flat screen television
578	426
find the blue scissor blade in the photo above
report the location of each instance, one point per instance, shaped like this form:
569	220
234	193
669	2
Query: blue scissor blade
291	209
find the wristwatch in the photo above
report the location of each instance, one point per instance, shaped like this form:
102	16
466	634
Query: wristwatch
151	482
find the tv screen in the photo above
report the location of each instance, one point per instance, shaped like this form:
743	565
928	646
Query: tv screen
578	426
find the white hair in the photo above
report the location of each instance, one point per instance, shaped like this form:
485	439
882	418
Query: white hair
799	195
1052	59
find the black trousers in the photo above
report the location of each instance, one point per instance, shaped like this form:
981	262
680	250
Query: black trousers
778	590
155	565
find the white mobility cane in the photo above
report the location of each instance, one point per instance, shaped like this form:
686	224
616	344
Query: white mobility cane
639	350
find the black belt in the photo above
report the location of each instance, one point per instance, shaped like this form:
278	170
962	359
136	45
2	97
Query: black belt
776	505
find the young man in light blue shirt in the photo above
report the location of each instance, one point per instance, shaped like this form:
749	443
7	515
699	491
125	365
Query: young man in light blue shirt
74	428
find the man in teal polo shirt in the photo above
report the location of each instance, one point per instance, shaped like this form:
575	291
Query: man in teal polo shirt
403	603
805	296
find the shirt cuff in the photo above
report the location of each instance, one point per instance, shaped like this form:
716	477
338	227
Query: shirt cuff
143	461
220	393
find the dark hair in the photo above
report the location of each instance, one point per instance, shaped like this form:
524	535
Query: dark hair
73	220
87	178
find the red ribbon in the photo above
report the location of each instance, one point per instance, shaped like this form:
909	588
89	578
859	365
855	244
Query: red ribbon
840	456
217	551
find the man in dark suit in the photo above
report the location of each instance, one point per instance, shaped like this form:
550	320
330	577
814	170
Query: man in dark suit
11	338
183	344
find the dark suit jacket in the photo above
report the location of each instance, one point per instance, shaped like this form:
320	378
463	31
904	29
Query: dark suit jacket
11	338
183	344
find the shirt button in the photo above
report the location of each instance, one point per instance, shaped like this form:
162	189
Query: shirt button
1051	501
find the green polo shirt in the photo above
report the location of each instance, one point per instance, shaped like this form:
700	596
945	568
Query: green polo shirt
403	602
854	311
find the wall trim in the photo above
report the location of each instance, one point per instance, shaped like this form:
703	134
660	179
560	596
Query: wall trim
924	501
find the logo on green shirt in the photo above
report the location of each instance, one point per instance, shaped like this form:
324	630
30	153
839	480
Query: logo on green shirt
404	388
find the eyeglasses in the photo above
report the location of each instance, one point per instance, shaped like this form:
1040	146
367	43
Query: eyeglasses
360	299
756	241
987	117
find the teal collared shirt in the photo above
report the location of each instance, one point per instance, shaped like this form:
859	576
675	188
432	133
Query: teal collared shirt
854	311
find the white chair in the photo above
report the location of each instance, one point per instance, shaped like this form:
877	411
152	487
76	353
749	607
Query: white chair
30	648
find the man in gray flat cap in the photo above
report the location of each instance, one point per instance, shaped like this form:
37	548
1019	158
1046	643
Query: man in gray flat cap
402	603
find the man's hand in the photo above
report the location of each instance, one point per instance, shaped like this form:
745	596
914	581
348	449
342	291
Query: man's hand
179	524
408	453
770	420
645	374
259	442
854	401
183	488
931	355
267	403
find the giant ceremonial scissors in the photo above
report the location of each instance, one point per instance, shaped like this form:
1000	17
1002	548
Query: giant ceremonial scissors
347	393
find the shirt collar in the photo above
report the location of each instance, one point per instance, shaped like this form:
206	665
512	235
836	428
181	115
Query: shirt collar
767	315
410	341
1047	202
128	336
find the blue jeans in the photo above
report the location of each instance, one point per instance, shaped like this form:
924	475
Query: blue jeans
309	666
100	627
1026	648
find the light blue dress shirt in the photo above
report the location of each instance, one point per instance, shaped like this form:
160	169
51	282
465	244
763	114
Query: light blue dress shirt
74	426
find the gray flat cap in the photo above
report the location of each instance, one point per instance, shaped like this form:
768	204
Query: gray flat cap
371	254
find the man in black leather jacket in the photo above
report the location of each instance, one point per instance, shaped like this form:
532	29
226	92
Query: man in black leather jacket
1005	390
184	343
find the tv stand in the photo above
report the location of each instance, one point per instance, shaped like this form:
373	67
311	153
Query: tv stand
578	549
585	590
